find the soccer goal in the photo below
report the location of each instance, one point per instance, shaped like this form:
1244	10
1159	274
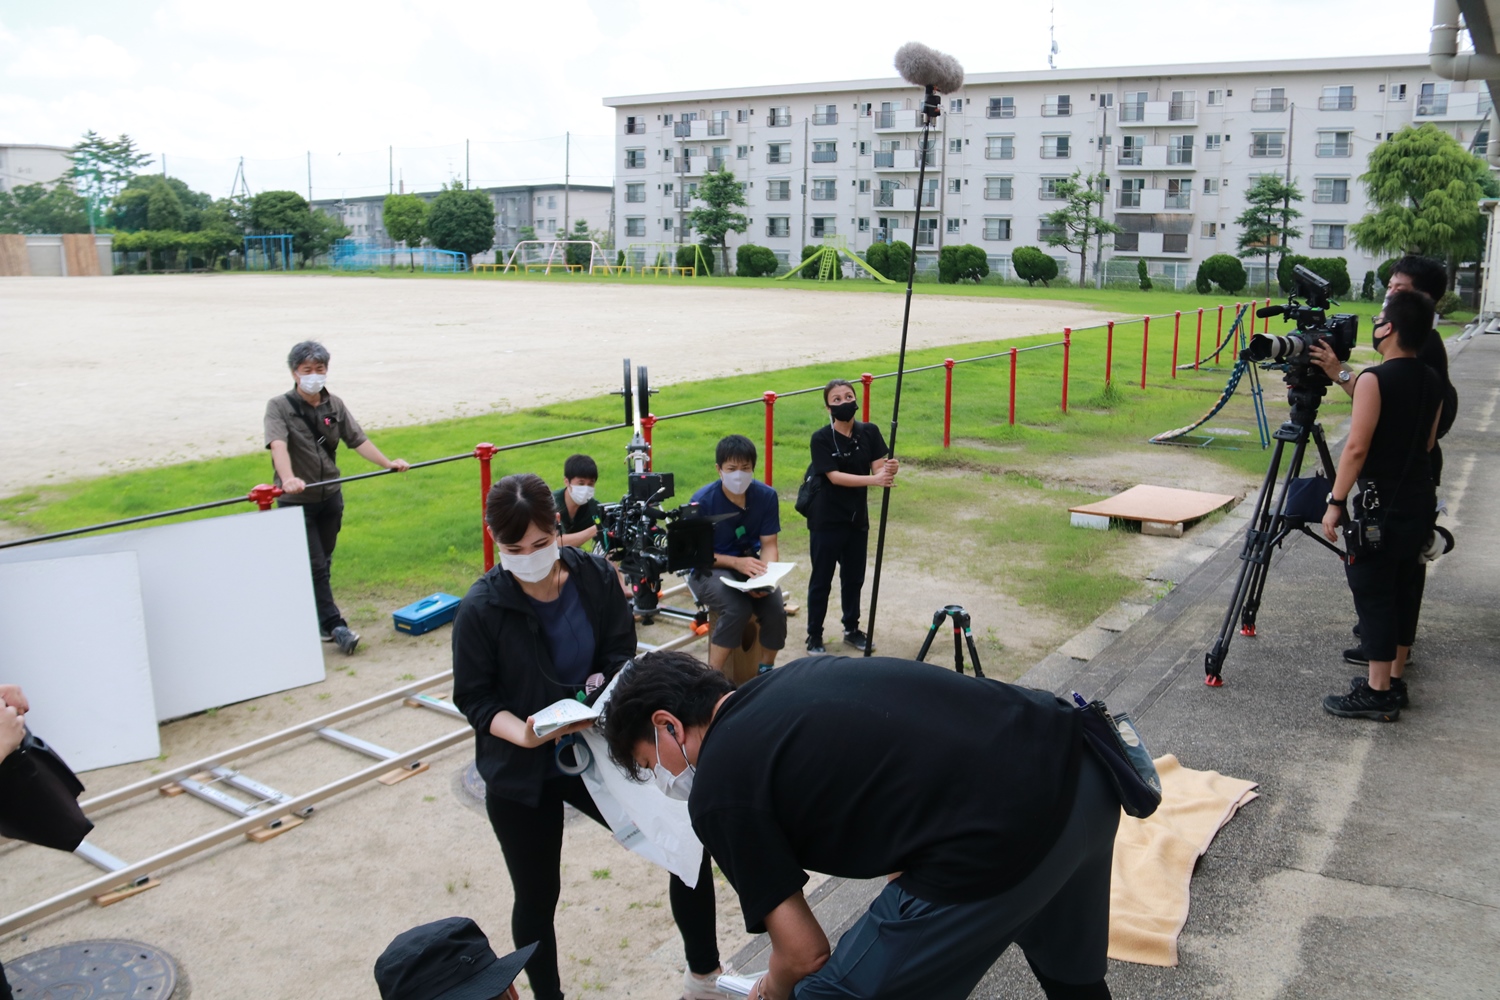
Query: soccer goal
547	256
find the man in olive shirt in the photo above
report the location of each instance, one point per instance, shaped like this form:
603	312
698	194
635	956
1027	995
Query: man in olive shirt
303	429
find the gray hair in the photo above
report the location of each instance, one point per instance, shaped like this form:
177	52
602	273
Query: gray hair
308	350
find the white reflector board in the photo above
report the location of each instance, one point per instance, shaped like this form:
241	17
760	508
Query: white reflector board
228	601
73	635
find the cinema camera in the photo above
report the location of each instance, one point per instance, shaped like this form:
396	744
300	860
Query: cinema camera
1289	352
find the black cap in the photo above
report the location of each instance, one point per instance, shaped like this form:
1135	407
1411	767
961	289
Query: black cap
448	959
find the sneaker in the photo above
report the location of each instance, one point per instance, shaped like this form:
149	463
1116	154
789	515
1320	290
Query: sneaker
326	636
345	638
1362	702
706	987
1357	656
815	646
858	640
1398	688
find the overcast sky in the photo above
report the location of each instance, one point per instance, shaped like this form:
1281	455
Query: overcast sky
205	82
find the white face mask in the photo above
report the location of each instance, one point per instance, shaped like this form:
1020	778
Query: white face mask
737	482
532	567
581	494
312	384
673	786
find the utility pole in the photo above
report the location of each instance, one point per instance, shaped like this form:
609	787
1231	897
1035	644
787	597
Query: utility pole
309	176
1103	196
164	164
1286	200
391	165
467	183
567	174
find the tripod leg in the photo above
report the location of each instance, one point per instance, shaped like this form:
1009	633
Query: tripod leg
1277	530
958	647
937	620
973	653
1255	539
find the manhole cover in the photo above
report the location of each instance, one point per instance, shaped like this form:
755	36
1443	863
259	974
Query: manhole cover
127	970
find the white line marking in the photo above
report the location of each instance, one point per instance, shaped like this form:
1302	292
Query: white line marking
1488	412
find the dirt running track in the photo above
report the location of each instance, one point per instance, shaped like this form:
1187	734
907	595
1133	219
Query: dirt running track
106	374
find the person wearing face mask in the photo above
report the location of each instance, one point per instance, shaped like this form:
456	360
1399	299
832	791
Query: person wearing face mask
851	456
548	623
303	429
1391	434
578	513
744	544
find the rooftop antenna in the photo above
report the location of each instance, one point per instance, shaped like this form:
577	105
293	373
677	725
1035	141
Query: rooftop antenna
1052	36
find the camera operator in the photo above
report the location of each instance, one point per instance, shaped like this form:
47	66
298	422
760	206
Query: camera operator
744	544
977	799
851	457
13	709
546	624
1391	433
578	513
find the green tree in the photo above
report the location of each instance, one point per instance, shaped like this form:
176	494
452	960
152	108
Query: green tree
1223	270
128	209
1266	223
1335	270
964	262
37	208
1079	220
879	258
313	233
690	255
1367	290
721	194
751	261
900	260
461	220
1032	265
405	217
101	167
1142	276
164	208
1426	189
575	253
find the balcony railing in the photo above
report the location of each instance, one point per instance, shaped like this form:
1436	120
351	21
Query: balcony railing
772	229
1042	232
1000	152
1259	149
926	237
1132	112
1182	111
885	199
718	127
635	128
779	192
632	196
1047	193
885	158
1006	193
1174	243
826	118
635	163
1129	242
1128	199
683	164
821	231
713	164
1057	110
1331	197
1001	111
1051	152
1432	107
1129	156
1268	104
1179	199
779	119
824	193
885	119
682	130
778	156
997	233
1341	103
681	199
825	156
930	199
1334	149
1327	241
1179	157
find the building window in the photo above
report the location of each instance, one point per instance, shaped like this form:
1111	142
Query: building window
779	190
956	106
1133	106
1210	185
927	233
741	152
1212	142
1130	193
955	185
825	114
742	116
1210	230
1180	192
997	229
1331	191
1128	242
952	227
1000	147
1183	107
1056	147
824	189
1131	147
1057	106
1327	236
779	152
1433	99
635	225
1002	107
823	225
998	189
634	126
666	224
1269	99
1267	144
635	159
780	117
1045	229
864	224
1398	92
955	146
1216	98
863	147
1174	243
864	110
825	152
1106	100
635	192
1335	144
1048	190
1179	150
552	201
1336	99
779	225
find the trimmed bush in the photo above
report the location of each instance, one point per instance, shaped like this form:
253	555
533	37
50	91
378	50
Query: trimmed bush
620	259
1449	303
1383	273
1367	290
1223	270
1334	270
900	261
965	262
1031	265
704	264
751	261
1143	277
879	258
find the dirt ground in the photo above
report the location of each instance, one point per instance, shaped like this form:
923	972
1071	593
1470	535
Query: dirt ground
136	371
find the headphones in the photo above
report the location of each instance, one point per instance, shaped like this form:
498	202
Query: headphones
671	729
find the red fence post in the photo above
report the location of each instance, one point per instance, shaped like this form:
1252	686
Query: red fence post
1109	353
1267	328
647	423
770	399
1198	344
1145	345
484	452
1067	350
1237	307
1012	386
1219	334
264	495
867	378
1176	330
947	400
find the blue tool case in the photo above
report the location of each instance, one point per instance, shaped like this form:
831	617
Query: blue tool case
427	614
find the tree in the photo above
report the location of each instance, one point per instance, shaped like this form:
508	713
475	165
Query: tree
313	233
879	258
405	218
965	262
720	194
461	220
689	255
1335	270
1142	275
1367	290
128	209
1223	270
36	208
1426	189
1032	265
576	254
900	261
164	208
751	261
101	167
1265	225
1078	221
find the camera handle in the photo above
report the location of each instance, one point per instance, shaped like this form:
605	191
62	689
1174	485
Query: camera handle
961	632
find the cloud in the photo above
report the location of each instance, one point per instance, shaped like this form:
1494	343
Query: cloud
62	53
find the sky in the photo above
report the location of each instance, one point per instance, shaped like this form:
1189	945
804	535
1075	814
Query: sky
376	87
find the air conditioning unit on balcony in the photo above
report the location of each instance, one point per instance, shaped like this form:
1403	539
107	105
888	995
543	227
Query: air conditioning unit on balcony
1424	109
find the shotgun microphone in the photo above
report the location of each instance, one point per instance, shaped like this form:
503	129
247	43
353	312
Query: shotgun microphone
1266	311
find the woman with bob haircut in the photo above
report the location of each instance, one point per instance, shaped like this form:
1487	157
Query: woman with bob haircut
548	623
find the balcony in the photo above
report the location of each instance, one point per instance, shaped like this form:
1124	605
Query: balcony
1174	243
635	128
1432	107
1268	104
1267	150
884	199
1182	111
1133	112
1128	199
781	228
999	193
1149	200
826	118
1058	110
633	196
1057	152
779	192
818	232
1334	149
1127	242
635	162
827	193
1179	156
1178	201
718	128
1001	111
1342	103
825	156
779	119
1048	193
901	159
930	199
926	237
1000	152
697	164
1129	156
1042	232
682	199
775	155
683	130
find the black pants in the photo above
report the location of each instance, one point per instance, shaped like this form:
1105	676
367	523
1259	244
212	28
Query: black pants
531	840
1387	586
324	519
843	545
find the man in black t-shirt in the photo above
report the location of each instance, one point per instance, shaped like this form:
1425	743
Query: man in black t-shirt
975	798
578	513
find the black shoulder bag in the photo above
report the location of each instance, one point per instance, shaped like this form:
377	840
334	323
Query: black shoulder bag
39	798
1117	744
318	436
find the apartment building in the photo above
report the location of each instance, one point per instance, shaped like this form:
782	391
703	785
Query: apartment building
1177	145
551	209
32	164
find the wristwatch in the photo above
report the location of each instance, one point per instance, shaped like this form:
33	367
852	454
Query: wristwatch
1336	503
1344	376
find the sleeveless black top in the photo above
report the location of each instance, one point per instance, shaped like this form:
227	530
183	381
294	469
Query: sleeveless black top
1398	461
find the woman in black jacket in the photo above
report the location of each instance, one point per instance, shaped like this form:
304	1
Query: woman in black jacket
548	623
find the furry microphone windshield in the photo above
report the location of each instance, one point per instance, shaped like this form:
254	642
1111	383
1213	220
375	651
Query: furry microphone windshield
927	67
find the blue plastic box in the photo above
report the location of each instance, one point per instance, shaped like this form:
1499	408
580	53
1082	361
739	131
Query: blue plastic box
427	614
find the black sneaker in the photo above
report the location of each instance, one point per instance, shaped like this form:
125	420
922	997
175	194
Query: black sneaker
1398	688
815	646
1357	656
1362	702
325	635
858	640
345	638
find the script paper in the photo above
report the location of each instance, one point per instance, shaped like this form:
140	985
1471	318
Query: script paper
770	578
561	713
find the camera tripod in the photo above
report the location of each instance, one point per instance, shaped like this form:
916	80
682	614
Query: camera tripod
1269	524
960	634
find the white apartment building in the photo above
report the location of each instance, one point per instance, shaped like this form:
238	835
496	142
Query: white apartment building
32	164
1178	146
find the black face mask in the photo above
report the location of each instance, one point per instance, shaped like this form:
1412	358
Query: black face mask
844	411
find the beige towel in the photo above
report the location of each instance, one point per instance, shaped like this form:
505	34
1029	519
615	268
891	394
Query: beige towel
1154	858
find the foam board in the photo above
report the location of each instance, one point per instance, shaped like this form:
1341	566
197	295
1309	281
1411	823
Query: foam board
73	635
228	604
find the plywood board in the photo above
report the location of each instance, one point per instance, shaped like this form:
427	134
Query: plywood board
1157	503
73	635
81	255
14	260
228	603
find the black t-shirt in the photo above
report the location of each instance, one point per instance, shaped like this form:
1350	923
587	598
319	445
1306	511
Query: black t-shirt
1398	460
589	513
832	452
1435	355
863	767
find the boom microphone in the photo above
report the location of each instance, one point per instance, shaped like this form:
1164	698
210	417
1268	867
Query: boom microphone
927	67
1266	311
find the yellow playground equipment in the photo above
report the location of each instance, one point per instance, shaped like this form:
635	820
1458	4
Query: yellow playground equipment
827	258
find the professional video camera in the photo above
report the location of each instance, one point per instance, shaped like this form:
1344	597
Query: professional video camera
1289	352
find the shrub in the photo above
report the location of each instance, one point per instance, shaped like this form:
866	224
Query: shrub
1142	277
1334	270
879	258
694	256
1223	270
1031	265
1449	303
1383	273
1367	290
1201	280
620	259
900	261
751	261
965	262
